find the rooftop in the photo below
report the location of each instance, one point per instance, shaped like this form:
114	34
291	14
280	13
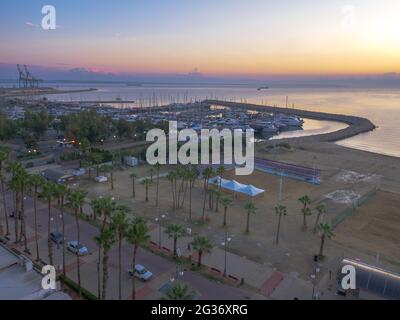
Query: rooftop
20	283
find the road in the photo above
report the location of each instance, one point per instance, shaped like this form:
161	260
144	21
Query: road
163	269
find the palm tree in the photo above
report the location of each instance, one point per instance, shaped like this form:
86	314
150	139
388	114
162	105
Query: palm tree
23	180
326	231
251	209
76	200
96	207
306	211
106	239
4	155
62	192
137	235
151	172
157	166
179	291
133	176
207	174
106	206
15	185
226	202
175	231
220	173
321	210
110	169
192	176
280	211
120	223
48	190
202	245
146	183
35	181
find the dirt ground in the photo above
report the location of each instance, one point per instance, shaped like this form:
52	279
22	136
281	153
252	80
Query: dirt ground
375	227
297	247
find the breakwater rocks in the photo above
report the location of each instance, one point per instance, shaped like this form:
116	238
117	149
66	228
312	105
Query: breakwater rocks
356	125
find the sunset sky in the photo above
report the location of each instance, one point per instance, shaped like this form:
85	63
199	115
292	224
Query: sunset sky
219	37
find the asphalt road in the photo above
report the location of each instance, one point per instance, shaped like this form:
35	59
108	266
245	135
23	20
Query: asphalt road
163	269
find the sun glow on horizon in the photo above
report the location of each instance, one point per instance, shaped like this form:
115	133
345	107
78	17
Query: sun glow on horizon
305	38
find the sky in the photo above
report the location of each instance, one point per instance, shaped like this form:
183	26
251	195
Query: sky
216	37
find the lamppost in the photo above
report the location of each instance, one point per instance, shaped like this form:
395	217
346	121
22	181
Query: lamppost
314	281
158	220
225	244
178	272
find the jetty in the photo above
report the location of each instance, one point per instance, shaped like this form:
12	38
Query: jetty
356	125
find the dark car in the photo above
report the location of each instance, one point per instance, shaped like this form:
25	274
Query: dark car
57	237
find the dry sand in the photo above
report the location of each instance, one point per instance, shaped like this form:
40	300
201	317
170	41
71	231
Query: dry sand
296	249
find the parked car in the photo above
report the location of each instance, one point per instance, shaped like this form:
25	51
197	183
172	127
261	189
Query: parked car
57	237
140	272
101	179
77	248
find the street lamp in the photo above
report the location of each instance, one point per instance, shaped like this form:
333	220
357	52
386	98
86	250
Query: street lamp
225	244
314	281
158	220
178	271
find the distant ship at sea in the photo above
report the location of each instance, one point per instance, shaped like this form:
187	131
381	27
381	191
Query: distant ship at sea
262	88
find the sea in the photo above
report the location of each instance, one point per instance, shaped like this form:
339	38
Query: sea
380	105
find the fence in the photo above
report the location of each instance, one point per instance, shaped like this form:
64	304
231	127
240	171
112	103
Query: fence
339	218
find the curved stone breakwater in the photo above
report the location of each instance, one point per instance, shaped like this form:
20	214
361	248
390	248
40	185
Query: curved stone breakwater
357	125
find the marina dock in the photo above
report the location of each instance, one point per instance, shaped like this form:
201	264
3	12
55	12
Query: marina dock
356	125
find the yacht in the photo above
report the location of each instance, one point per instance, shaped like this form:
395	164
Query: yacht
282	120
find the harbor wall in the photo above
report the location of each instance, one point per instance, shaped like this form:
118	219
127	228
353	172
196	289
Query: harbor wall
356	125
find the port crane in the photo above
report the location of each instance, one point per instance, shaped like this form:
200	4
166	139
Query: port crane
26	79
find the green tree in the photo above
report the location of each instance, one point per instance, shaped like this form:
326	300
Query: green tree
280	211
326	232
4	155
137	235
146	183
133	176
35	182
226	202
251	209
14	185
306	211
207	174
62	192
192	176
157	166
120	223
175	231
106	239
48	191
220	173
203	246
179	291
76	199
110	170
321	210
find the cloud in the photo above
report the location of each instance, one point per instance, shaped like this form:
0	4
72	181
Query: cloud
31	24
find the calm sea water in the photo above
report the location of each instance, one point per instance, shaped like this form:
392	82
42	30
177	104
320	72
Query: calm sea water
381	106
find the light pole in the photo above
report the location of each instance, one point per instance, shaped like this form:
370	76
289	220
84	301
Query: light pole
178	271
158	220
225	244
314	281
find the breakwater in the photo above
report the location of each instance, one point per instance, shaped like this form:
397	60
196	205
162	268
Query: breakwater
356	125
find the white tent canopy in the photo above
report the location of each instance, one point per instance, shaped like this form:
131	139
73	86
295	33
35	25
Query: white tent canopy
235	186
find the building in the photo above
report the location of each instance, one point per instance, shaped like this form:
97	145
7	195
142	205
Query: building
131	161
58	176
20	281
371	282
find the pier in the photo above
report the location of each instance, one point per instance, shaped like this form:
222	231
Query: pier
356	125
